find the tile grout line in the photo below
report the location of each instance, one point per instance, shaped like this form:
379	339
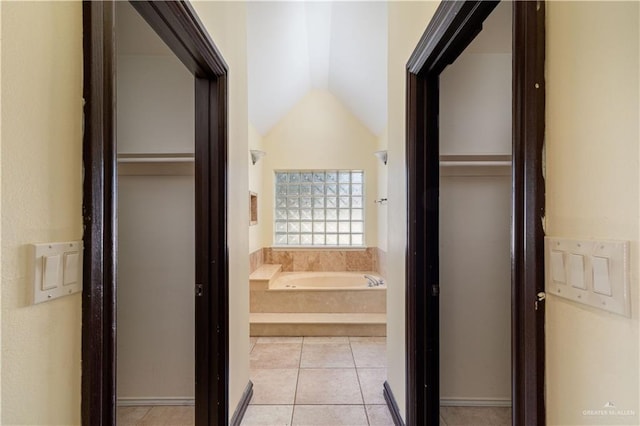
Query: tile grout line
364	407
295	394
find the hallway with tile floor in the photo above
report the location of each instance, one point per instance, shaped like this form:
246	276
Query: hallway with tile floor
318	381
313	381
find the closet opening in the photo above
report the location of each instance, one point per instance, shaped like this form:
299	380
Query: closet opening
155	261
466	211
155	354
475	133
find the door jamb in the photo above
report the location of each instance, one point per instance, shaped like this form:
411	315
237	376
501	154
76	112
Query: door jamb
452	28
177	24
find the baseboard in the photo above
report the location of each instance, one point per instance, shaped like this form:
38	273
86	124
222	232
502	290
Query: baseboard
236	419
152	401
392	404
475	402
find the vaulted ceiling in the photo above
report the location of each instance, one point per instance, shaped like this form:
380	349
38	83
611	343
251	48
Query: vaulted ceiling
294	47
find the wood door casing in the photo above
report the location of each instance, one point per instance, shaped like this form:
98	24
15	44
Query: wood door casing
452	28
178	25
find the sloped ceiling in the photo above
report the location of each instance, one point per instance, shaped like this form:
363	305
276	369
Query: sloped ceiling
294	47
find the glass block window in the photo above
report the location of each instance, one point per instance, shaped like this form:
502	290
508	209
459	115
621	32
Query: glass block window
319	208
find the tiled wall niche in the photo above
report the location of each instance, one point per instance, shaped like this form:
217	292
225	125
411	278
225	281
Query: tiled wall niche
369	259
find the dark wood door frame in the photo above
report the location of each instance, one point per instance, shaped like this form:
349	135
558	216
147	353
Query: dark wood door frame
178	25
452	28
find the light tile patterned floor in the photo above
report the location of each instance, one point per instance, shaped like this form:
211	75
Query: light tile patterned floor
316	381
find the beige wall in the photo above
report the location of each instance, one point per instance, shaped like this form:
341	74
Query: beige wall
42	194
256	178
320	133
592	191
1	268
383	191
226	22
407	22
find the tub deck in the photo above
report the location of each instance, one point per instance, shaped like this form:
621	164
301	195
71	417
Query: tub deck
318	324
277	309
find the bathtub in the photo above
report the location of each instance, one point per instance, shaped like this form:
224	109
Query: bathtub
320	292
324	281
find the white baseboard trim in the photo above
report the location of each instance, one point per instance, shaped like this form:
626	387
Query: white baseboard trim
153	401
475	402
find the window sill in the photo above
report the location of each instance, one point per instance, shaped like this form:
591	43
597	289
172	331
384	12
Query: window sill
318	248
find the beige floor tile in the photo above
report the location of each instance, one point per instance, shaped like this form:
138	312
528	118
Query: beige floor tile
328	386
476	416
273	386
169	416
130	416
326	339
279	339
371	383
327	355
442	422
252	343
369	354
379	415
275	355
365	339
331	415
267	415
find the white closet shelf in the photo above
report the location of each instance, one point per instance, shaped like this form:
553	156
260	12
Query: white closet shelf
475	160
156	158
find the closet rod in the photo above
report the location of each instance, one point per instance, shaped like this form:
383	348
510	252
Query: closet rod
156	158
475	163
475	160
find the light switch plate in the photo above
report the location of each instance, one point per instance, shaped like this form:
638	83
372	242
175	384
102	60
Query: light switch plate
604	283
56	270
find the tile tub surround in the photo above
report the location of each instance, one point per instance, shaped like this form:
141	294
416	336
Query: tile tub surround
256	259
299	260
381	266
315	311
292	324
261	278
317	300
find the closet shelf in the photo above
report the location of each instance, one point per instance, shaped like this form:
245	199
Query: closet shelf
156	158
476	160
146	164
